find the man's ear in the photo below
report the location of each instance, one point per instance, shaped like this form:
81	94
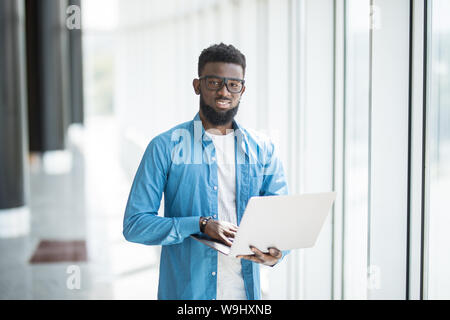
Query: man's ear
196	85
243	90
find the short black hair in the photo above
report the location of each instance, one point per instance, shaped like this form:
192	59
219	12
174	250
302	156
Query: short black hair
221	53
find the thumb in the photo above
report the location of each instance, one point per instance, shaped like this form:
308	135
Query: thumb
275	252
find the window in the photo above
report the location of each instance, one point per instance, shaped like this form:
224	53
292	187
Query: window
356	149
438	152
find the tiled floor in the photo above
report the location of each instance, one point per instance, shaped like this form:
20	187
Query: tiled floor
82	209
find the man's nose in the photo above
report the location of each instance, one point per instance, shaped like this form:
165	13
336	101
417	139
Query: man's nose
224	91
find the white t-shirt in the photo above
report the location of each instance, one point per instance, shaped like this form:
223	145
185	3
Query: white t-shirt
230	283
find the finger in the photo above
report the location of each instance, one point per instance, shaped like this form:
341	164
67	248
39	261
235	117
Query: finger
232	229
228	228
225	240
245	256
252	258
229	233
274	252
229	224
257	252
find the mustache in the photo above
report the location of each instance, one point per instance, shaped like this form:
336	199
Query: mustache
223	98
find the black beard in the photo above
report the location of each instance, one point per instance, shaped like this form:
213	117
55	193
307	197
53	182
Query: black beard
217	118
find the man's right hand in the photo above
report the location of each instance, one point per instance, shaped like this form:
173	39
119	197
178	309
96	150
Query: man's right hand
221	230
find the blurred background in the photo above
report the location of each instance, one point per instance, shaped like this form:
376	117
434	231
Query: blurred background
355	94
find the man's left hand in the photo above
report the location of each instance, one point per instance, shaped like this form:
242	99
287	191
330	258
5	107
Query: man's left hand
268	259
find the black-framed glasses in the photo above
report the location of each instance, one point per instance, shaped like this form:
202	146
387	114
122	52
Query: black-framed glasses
216	83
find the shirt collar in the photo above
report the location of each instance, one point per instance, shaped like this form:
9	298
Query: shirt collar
240	133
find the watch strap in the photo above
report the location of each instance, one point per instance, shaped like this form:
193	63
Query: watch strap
203	223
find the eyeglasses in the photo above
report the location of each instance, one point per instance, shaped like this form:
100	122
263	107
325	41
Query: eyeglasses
216	83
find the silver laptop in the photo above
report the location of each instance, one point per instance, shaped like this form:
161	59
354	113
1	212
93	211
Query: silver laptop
283	222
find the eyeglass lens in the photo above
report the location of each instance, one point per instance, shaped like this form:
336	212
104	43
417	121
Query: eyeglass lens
233	86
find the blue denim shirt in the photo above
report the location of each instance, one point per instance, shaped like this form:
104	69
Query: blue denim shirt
180	164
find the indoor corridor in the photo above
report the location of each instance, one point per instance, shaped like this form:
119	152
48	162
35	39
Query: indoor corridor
77	200
353	94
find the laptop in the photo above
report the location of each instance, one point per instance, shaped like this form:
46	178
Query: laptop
284	222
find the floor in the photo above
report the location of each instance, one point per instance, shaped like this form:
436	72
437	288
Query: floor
75	248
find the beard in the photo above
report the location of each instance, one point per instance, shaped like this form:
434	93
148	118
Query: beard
217	118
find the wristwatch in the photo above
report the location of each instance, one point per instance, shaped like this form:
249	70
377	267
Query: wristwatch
203	223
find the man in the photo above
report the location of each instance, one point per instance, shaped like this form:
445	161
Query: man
207	169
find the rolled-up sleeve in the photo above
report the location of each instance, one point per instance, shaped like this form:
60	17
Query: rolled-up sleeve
274	182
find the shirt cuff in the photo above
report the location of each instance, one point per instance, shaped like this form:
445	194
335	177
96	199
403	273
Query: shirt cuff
283	254
188	225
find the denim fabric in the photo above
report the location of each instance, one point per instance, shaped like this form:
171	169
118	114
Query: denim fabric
180	163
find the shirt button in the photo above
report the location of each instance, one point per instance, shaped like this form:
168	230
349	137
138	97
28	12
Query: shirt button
213	273
215	187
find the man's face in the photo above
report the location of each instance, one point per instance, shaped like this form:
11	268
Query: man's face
219	106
